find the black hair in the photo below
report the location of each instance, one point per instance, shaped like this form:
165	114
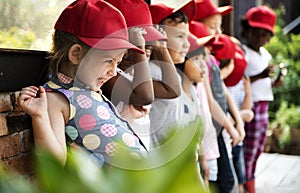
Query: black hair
180	66
200	50
224	63
245	27
176	17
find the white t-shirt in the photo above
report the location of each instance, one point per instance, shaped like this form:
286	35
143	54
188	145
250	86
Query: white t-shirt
257	62
190	106
164	114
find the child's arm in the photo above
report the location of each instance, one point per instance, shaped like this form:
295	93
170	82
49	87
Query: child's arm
246	112
169	87
139	90
247	103
234	112
219	115
48	119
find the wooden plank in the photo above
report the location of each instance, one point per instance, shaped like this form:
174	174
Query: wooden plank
278	173
264	162
293	177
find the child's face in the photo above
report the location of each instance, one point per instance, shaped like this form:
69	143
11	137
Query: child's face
213	24
98	66
195	68
257	37
178	44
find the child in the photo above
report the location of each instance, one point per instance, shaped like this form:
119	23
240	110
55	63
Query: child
257	30
233	65
175	23
197	72
166	112
133	88
210	149
70	108
212	18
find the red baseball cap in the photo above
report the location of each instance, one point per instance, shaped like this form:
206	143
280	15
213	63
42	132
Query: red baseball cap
261	17
207	8
160	11
240	65
199	30
137	14
228	49
189	9
96	23
194	45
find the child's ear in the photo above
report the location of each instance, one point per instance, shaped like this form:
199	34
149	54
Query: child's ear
75	53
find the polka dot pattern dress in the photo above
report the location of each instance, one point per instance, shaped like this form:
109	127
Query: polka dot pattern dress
93	124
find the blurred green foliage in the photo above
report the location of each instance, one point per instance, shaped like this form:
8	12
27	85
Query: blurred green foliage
285	119
285	48
16	38
80	175
285	109
27	24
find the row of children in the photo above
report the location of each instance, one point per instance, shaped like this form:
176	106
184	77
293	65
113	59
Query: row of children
126	74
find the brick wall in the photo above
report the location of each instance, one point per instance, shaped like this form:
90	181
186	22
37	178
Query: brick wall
16	137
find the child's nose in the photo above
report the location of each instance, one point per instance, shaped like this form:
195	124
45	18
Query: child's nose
218	31
112	72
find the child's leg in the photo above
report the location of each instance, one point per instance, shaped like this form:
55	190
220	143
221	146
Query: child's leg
255	138
239	165
225	175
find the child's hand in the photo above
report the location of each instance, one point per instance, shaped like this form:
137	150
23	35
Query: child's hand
136	36
33	101
138	111
235	136
161	43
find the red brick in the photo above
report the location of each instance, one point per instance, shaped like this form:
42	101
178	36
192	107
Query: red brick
14	103
27	140
5	102
18	121
3	125
22	164
10	145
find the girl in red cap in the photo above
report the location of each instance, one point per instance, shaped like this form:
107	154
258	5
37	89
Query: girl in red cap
70	108
233	65
257	30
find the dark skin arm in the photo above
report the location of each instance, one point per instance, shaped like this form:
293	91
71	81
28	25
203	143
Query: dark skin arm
169	87
263	74
266	73
139	92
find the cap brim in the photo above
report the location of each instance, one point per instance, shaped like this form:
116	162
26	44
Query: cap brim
224	10
216	45
206	41
261	25
153	34
110	43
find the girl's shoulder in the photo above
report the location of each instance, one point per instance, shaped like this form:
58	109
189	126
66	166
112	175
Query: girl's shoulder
58	104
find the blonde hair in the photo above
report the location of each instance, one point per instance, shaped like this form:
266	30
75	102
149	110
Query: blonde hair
61	43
